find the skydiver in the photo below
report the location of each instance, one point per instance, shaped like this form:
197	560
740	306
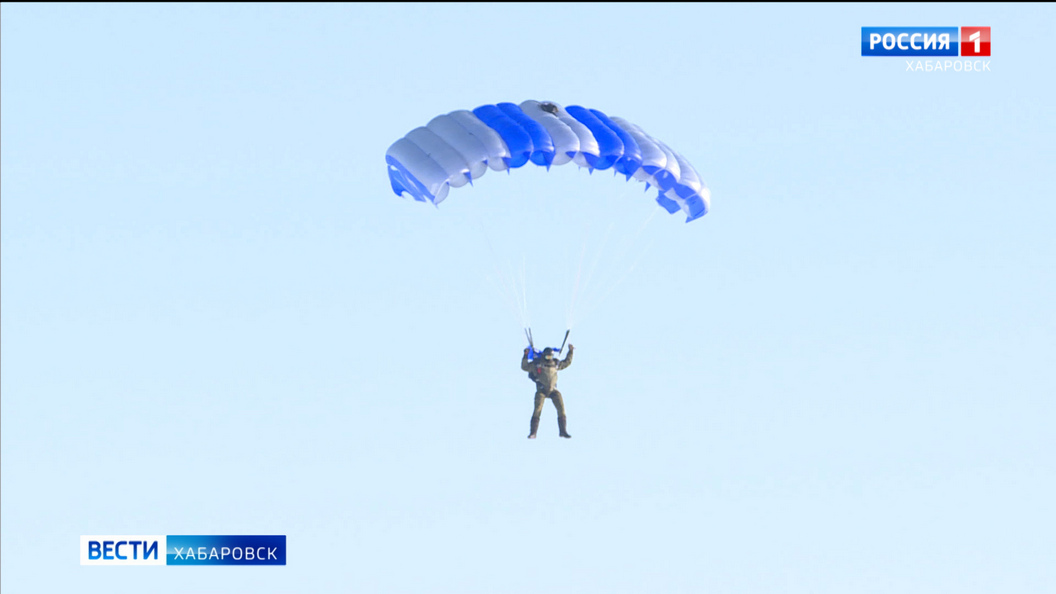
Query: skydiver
543	372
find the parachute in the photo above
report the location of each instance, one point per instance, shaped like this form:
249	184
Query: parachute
454	149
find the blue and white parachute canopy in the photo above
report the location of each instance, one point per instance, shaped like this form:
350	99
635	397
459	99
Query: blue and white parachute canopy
456	148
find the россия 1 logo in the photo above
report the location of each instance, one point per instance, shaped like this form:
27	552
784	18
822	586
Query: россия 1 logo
925	41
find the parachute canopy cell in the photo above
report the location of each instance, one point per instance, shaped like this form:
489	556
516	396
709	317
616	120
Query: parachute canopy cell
458	147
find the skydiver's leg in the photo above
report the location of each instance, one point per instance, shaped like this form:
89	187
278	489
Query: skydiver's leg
559	404
540	399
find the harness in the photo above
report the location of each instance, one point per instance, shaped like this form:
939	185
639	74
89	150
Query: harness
534	354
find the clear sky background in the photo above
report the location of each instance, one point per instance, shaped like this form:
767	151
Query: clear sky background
217	318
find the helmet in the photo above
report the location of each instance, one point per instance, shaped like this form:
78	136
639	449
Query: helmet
548	352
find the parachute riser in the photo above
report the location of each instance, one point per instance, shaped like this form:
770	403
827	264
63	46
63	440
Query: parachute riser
534	354
563	341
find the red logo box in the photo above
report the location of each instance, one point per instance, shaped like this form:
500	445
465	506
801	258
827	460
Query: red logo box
975	41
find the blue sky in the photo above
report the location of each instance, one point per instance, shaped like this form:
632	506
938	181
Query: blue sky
218	319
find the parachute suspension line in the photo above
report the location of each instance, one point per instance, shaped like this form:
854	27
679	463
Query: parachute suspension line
524	290
520	293
608	291
500	288
507	282
623	257
583	291
511	293
594	266
575	286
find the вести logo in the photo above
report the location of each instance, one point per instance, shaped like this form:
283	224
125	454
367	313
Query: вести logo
172	549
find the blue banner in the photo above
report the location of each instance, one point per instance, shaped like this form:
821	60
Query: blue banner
225	550
910	41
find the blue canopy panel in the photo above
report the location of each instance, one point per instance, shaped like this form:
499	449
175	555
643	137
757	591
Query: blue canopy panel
610	145
631	159
456	148
542	145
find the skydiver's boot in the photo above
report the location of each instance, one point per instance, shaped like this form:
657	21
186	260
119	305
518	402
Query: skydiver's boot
535	427
561	426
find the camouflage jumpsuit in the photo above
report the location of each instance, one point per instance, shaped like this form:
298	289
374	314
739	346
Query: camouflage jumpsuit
544	372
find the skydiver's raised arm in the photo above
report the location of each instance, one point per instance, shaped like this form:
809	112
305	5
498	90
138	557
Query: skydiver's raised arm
567	360
525	365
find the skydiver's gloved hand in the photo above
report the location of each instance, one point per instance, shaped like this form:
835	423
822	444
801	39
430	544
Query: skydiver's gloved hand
571	348
525	351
